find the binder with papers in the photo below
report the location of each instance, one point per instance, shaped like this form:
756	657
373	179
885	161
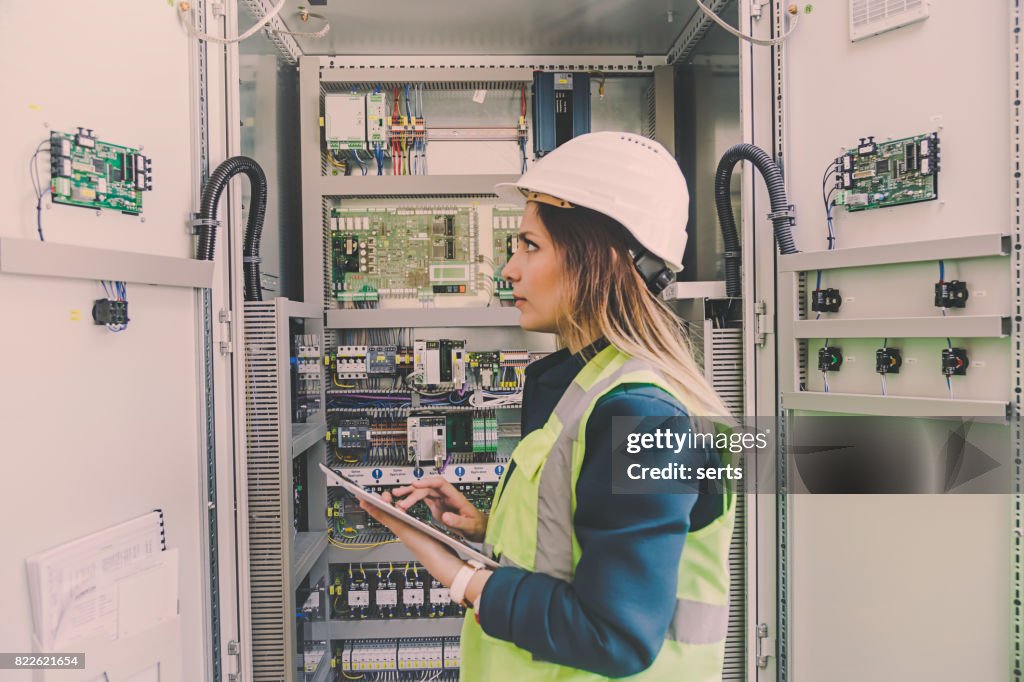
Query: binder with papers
108	592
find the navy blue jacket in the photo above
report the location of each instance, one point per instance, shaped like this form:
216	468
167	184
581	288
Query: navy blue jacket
612	618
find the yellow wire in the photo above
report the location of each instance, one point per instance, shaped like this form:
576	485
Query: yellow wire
358	546
349	677
335	379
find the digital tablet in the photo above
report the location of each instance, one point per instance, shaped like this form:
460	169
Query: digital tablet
460	546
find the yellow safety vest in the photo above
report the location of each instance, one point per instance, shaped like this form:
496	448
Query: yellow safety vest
531	526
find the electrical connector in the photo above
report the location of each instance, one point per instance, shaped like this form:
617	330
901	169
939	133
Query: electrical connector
888	360
951	294
826	300
830	359
955	362
108	312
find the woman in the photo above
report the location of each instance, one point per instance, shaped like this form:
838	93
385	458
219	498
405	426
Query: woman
592	585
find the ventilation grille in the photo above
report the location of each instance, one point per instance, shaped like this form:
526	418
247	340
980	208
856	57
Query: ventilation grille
264	453
723	365
802	360
325	207
649	127
871	17
735	665
506	88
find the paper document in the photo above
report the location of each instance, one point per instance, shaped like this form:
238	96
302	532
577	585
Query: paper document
78	590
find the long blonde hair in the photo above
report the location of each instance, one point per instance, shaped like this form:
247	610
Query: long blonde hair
604	294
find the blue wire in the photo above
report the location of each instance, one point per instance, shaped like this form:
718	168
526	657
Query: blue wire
942	271
39	213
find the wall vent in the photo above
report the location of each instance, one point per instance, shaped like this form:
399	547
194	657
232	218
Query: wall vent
871	17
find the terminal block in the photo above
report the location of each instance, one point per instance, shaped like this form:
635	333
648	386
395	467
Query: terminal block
955	362
888	360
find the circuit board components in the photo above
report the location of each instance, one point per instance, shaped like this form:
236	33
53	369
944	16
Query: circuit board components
90	173
878	174
402	253
504	231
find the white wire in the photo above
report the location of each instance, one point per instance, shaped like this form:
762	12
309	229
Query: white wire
190	27
885	389
751	39
480	399
275	10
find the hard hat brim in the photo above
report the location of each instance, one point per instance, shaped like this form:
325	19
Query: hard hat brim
508	192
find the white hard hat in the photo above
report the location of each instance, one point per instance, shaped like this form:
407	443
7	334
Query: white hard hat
627	177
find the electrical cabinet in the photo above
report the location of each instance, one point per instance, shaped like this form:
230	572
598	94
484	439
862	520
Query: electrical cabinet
397	352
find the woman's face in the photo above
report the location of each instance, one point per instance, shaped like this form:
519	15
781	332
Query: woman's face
535	271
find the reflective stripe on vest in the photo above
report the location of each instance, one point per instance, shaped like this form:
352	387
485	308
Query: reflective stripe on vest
554	506
695	622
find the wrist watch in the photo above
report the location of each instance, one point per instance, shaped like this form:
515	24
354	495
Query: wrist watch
461	582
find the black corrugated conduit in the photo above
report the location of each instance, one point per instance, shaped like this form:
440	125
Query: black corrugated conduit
782	216
207	221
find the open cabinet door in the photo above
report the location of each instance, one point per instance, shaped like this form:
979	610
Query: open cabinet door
891	586
104	424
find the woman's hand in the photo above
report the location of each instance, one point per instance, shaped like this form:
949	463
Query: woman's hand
439	560
446	504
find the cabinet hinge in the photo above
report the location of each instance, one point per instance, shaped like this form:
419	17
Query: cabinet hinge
224	317
765	645
763	322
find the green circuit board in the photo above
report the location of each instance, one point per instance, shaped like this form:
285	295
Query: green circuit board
410	253
504	228
879	174
94	174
